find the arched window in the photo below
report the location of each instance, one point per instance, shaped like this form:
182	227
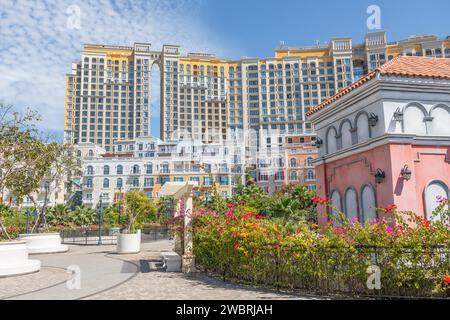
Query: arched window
89	183
293	163
331	140
368	204
346	134
362	126
351	204
293	175
309	162
135	169
90	170
119	169
413	119
119	183
441	119
90	153
310	175
106	183
433	192
79	153
336	202
106	170
135	182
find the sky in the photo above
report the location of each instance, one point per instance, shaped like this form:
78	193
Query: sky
40	39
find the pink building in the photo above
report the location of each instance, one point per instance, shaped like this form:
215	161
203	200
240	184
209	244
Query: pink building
385	139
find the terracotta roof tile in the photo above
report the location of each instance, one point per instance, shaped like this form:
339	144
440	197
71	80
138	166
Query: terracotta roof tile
401	66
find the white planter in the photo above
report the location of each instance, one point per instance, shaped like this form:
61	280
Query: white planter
172	261
14	259
43	243
129	242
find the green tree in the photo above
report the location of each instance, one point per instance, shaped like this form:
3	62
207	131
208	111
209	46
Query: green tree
22	163
137	206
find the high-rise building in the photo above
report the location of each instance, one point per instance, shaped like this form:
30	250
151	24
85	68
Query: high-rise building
108	94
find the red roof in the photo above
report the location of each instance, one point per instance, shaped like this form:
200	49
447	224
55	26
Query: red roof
401	66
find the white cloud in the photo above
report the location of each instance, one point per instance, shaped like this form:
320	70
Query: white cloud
37	47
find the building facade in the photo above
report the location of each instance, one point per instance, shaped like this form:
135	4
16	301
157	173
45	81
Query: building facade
108	94
215	100
146	164
386	140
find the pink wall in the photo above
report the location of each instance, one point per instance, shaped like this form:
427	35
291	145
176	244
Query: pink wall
427	163
357	170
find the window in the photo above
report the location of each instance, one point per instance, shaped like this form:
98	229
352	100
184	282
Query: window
310	175
351	204
135	182
293	176
106	183
309	162
433	192
90	170
368	204
119	183
135	169
336	202
106	170
293	163
90	153
89	183
119	169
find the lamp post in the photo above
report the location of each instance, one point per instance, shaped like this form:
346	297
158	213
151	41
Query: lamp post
120	204
28	218
99	215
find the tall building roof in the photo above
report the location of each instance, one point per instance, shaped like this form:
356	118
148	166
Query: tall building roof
401	66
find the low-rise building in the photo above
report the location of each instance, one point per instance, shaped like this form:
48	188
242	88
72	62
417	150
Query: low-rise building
385	140
147	163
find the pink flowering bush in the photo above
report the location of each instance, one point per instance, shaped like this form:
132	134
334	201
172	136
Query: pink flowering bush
412	253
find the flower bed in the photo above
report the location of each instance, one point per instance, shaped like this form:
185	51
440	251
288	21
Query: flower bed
413	261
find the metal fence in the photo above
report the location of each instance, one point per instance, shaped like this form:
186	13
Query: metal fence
108	236
402	272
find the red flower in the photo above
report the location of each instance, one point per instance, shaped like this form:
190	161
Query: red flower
425	223
319	200
339	230
259	217
231	205
236	246
390	208
230	214
446	279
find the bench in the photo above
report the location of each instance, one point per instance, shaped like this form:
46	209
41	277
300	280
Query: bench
172	261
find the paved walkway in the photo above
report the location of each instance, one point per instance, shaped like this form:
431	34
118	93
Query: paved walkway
105	275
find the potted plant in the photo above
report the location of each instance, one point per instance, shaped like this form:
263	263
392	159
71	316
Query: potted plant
136	206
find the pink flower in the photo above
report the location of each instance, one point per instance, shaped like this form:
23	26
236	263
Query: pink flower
230	205
390	208
441	199
236	246
389	230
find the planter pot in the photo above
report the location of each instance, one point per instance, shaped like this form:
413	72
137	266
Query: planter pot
129	242
43	243
14	259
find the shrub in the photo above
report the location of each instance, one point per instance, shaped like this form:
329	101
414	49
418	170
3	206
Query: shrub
412	252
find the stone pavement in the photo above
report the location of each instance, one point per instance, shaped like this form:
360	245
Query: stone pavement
105	275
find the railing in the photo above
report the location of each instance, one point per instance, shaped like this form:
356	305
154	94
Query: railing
108	236
403	272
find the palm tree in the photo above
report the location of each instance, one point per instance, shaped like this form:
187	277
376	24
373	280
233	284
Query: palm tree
58	215
82	216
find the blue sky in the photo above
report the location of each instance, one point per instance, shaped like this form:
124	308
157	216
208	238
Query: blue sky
37	45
